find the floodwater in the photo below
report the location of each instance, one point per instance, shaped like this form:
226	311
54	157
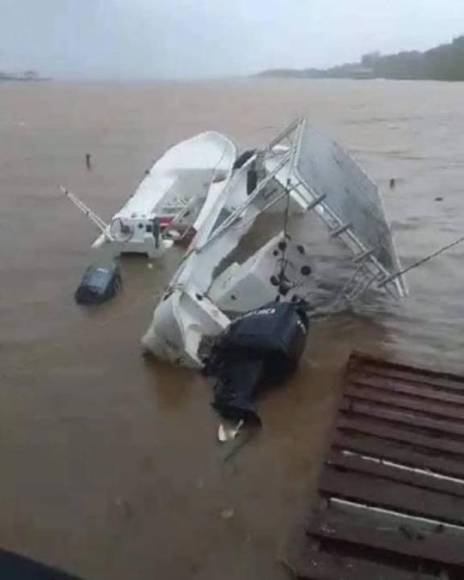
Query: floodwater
110	467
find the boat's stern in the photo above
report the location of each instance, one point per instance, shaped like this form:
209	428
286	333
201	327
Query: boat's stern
180	321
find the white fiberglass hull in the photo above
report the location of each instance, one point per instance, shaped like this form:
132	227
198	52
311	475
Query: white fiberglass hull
179	323
213	283
175	196
188	312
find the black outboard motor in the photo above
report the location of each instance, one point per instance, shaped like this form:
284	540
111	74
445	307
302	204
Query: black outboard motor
98	284
259	349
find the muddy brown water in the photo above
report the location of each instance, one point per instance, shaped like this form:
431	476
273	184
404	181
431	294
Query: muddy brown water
110	467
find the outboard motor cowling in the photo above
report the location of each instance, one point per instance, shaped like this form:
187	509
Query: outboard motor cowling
259	349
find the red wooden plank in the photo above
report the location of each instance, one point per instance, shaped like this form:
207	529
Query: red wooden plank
411	375
403	434
371	532
360	464
374	365
415	389
369	489
410	418
307	561
399	452
405	415
440	410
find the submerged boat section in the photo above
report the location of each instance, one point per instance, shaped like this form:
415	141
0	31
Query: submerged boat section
173	199
248	251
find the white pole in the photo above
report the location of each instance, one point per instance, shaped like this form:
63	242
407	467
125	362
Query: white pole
93	217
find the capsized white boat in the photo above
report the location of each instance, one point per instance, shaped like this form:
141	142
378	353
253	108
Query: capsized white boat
232	266
172	201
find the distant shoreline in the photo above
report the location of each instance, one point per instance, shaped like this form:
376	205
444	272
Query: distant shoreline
28	76
441	63
291	77
13	78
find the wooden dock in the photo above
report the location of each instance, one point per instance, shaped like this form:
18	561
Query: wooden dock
390	500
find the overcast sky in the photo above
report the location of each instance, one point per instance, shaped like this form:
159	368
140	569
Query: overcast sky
192	38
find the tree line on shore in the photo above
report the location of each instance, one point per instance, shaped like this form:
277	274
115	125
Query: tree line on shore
444	62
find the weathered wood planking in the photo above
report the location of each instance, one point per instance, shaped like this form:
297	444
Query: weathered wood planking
391	490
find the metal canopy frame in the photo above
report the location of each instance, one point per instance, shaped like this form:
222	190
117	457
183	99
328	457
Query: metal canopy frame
369	270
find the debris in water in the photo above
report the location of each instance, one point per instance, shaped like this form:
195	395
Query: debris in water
98	284
124	507
231	448
227	432
227	514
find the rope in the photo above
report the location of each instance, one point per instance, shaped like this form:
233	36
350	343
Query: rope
423	260
331	307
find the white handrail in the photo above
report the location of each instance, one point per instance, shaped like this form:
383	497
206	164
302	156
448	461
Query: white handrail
93	217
